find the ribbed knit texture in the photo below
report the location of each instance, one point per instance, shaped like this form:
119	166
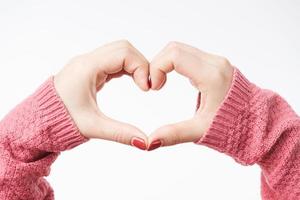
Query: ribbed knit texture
257	126
252	125
31	137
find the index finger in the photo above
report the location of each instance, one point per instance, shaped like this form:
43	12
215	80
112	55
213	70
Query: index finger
184	59
120	57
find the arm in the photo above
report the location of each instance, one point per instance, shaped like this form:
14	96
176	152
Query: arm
257	126
63	113
234	116
31	137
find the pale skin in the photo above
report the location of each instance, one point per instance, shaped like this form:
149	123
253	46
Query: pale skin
82	77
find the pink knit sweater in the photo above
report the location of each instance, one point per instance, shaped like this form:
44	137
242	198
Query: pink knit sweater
31	137
252	125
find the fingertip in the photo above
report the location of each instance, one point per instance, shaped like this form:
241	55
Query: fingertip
155	145
143	87
138	143
162	83
141	78
158	78
155	140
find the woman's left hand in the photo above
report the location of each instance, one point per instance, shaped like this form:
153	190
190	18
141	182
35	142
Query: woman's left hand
210	74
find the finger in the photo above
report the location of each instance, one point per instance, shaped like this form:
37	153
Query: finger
113	130
122	56
141	71
186	60
117	75
160	65
141	77
185	131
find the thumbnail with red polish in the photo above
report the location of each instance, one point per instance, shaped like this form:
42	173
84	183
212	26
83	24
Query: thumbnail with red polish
154	145
138	143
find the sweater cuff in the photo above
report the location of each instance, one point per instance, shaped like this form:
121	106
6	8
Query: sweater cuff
229	113
55	119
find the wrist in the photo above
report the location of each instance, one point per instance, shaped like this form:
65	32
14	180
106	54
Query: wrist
58	127
229	114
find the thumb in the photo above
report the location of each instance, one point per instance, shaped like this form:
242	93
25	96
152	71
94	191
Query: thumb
181	132
113	130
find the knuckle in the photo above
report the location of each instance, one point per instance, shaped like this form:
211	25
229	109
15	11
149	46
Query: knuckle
221	77
79	60
125	52
117	137
123	47
125	43
222	71
174	48
142	64
223	62
225	69
173	45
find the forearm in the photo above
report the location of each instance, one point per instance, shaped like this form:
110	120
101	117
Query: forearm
32	136
257	126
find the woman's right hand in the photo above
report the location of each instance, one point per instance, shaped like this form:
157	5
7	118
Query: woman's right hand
79	81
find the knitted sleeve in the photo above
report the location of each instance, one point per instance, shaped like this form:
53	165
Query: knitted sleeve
31	137
257	126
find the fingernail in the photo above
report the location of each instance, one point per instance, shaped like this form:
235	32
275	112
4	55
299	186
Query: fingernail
138	143
150	83
154	145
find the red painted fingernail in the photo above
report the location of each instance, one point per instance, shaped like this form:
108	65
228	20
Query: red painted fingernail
150	83
138	143
154	145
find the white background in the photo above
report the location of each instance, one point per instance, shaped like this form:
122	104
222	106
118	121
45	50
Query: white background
260	37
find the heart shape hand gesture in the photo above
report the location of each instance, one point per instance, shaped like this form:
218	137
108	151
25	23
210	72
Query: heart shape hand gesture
80	80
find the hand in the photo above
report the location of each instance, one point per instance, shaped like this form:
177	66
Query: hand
79	81
210	74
